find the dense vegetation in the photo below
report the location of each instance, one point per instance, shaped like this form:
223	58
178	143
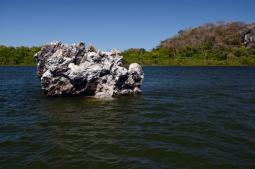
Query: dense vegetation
19	56
210	44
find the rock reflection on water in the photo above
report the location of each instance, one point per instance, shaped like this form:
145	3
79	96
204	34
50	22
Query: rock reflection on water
91	131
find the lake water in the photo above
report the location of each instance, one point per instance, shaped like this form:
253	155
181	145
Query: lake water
187	117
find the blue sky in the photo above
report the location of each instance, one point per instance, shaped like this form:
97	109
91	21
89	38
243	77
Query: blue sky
111	23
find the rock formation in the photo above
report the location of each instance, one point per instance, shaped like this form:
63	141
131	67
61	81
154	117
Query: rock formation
248	36
74	69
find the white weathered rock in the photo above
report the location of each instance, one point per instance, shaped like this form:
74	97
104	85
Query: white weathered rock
73	69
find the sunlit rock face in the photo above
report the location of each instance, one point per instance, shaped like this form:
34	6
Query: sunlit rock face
74	70
248	36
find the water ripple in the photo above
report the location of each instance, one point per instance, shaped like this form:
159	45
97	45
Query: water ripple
187	117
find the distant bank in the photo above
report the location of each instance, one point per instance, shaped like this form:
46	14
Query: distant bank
230	44
218	43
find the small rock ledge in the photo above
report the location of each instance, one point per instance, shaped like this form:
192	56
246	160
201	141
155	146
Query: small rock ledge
74	70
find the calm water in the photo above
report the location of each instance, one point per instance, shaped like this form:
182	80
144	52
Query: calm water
187	117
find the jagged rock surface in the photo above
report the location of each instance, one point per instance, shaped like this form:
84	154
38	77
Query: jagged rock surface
248	36
73	70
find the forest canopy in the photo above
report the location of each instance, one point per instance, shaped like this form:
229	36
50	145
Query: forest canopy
210	44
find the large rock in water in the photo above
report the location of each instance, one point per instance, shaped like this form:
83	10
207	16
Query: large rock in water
73	70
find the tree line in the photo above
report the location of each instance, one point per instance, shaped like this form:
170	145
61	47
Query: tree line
217	43
17	56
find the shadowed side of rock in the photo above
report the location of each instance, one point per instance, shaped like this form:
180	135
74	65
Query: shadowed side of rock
74	70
